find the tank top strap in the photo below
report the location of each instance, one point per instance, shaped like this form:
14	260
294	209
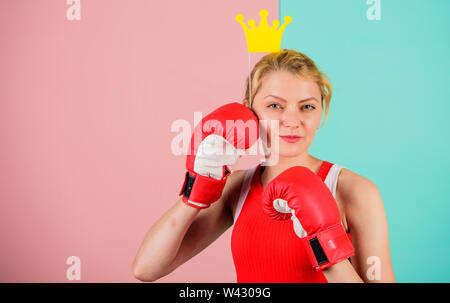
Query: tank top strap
245	188
324	169
332	177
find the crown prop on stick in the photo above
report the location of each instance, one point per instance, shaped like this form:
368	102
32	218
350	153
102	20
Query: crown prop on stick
262	39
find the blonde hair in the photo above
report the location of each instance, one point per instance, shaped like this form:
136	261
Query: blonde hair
295	62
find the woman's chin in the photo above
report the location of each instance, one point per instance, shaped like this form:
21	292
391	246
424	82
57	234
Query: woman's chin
290	151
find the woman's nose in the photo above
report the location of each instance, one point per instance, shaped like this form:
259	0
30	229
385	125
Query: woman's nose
291	118
291	124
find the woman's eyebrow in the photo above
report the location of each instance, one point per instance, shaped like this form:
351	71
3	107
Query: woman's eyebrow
307	99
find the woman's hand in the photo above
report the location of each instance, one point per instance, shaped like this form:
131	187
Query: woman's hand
216	144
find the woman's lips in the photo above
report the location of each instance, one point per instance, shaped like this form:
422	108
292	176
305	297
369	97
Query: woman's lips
291	139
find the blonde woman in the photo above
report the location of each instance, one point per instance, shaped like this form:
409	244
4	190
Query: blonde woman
287	87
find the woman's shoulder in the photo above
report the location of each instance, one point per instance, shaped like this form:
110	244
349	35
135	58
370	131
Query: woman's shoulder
237	174
233	187
356	190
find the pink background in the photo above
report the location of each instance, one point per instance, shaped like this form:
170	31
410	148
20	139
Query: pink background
86	109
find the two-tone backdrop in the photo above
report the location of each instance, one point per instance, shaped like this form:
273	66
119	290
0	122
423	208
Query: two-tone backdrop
90	91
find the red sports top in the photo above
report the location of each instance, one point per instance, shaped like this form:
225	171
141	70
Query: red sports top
266	250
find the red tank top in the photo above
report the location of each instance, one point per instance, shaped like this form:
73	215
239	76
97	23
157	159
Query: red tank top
266	250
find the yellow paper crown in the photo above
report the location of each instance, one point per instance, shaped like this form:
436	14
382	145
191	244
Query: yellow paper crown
263	39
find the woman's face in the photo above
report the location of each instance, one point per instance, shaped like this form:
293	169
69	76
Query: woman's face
296	103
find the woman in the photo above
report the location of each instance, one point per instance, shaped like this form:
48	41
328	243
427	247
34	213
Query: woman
288	87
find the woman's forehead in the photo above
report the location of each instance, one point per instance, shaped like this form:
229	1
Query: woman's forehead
288	86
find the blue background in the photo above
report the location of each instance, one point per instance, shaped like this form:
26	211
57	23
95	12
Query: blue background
388	118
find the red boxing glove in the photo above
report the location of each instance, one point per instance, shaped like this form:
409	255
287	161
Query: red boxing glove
300	194
216	144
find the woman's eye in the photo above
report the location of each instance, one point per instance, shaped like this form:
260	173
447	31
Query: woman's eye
310	107
274	105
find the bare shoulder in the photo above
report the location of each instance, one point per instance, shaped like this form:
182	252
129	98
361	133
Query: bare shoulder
233	188
352	186
359	196
222	209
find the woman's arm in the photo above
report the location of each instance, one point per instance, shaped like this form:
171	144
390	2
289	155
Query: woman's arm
182	232
342	272
162	241
366	219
